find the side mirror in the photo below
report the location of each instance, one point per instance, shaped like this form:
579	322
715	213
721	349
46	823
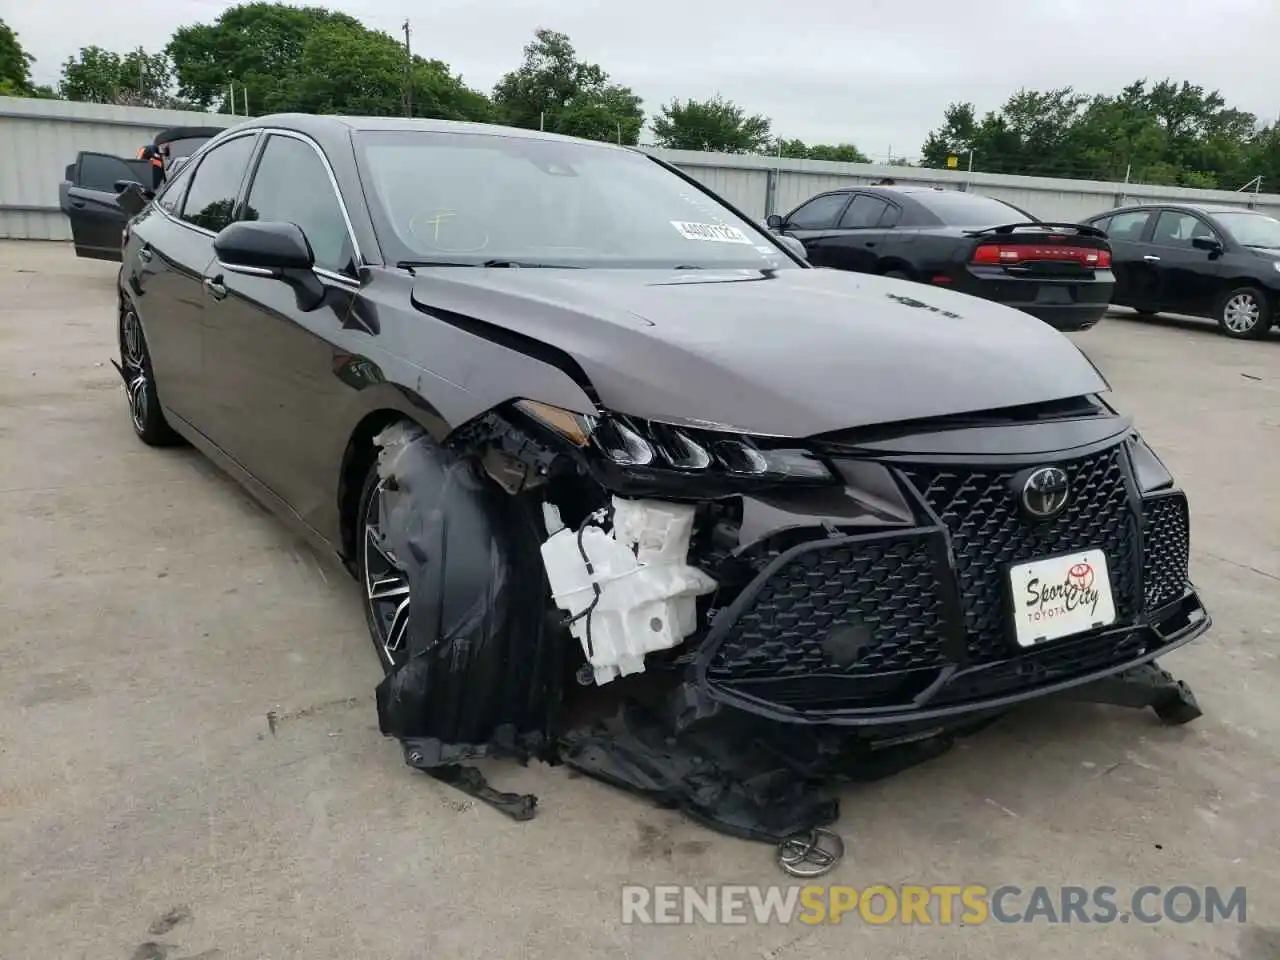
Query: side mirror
795	246
132	197
1212	244
773	222
263	248
276	249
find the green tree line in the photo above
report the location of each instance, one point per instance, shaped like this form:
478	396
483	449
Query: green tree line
1164	133
315	60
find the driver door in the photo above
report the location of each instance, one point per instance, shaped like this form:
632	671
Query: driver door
813	223
272	367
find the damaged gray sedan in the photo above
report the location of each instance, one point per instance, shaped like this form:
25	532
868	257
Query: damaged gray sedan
579	427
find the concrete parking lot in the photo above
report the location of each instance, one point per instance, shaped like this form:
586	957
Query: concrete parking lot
152	616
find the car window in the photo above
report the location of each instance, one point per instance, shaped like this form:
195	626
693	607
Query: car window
957	208
891	216
819	213
1104	224
1128	226
169	199
865	211
468	198
1175	229
1252	229
292	184
211	198
186	146
100	171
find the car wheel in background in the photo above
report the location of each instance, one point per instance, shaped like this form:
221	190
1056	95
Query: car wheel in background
897	275
1244	313
140	385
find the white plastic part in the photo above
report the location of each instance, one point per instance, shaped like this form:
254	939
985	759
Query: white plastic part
648	590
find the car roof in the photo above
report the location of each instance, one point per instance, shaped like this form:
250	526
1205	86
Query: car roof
326	128
1206	208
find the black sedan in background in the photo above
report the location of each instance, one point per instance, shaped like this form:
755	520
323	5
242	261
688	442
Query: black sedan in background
565	413
1218	262
1058	272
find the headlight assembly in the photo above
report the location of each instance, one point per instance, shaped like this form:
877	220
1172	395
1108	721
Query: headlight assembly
629	452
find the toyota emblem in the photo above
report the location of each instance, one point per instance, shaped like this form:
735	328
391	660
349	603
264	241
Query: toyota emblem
1045	492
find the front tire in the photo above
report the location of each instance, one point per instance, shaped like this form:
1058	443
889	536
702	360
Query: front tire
140	384
1244	313
385	585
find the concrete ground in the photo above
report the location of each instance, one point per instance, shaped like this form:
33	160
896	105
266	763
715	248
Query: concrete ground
151	616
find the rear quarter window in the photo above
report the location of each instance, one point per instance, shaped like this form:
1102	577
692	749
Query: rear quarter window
957	209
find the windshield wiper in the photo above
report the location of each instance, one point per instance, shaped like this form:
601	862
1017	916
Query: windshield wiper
495	262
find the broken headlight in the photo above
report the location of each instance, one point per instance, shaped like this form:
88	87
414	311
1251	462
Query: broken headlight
627	453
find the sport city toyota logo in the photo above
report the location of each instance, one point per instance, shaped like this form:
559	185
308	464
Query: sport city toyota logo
1074	592
1044	492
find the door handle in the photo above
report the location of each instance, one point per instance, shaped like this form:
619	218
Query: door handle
77	203
215	288
1151	259
144	253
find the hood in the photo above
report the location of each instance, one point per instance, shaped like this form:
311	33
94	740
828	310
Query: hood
789	353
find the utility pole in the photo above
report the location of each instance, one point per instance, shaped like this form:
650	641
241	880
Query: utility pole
408	72
231	96
142	75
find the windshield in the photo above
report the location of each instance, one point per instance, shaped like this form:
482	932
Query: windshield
467	199
1251	229
956	209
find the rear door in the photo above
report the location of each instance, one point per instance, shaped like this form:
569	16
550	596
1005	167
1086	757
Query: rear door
813	222
1128	234
88	197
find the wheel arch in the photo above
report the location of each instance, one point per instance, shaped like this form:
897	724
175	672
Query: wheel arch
892	263
358	456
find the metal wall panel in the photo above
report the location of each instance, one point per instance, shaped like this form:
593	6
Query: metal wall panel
38	138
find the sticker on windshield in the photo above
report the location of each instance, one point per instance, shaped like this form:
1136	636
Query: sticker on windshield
711	231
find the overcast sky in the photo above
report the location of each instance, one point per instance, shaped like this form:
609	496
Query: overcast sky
877	73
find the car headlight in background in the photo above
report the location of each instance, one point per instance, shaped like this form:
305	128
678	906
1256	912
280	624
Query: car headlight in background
647	450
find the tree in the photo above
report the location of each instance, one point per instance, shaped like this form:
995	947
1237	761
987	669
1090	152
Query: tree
716	125
312	60
799	150
955	137
137	78
345	69
553	90
256	45
1169	132
15	65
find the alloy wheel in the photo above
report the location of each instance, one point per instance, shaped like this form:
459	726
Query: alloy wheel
1241	313
133	359
386	586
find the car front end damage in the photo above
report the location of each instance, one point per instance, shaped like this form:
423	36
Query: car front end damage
847	602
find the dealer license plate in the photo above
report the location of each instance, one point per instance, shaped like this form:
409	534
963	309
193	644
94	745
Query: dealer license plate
1059	596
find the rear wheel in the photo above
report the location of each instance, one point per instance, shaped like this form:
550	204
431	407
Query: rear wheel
1244	313
897	275
140	385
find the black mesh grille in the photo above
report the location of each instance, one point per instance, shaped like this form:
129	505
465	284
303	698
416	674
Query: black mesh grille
1166	543
988	532
860	608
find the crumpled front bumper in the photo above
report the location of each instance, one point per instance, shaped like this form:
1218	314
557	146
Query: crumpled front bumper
912	626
